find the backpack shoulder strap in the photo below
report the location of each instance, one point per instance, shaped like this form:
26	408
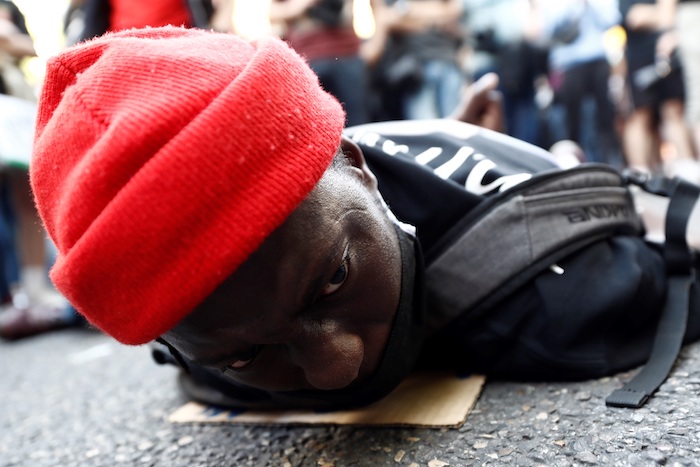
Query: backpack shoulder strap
679	259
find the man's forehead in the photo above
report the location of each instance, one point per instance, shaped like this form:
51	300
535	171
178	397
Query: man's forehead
284	265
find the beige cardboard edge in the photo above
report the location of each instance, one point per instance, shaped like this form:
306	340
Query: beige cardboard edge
431	400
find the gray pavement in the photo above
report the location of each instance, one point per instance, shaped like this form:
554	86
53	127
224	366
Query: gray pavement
76	398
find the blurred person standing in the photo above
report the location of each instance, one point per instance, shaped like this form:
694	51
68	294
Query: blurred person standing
29	303
126	14
656	91
684	16
420	60
74	22
15	45
580	70
322	32
499	32
100	16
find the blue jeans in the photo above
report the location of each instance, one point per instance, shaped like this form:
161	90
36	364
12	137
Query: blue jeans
519	108
439	93
584	95
7	267
9	262
346	79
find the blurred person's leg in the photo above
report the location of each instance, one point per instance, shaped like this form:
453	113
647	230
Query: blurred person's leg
519	65
439	93
6	250
522	116
676	129
609	144
10	260
449	87
555	123
571	95
640	131
36	306
688	19
640	140
31	238
671	98
421	102
677	132
346	78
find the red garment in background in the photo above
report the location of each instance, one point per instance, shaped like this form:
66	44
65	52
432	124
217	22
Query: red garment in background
128	14
324	42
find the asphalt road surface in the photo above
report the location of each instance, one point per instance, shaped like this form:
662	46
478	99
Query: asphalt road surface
77	398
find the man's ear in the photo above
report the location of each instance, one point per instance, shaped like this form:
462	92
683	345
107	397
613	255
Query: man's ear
357	160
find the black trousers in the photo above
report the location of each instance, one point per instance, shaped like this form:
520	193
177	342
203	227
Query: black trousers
585	80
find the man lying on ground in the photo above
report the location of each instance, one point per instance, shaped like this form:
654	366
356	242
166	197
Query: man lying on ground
202	192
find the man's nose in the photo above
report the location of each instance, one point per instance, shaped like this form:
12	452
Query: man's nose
329	356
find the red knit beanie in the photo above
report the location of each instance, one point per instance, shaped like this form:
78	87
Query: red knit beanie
163	158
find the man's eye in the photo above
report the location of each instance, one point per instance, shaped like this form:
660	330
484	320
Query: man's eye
338	278
245	358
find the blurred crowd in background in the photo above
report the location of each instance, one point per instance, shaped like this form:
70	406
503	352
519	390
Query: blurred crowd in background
612	82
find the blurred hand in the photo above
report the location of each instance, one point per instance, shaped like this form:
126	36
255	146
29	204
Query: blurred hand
7	29
642	16
666	43
481	104
14	42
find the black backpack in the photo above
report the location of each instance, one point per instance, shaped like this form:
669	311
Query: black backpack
560	283
535	272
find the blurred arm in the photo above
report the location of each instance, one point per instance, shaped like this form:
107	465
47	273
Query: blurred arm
283	11
420	16
222	19
14	42
642	16
666	13
371	49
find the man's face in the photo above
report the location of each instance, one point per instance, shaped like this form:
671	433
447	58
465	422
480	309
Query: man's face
313	307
